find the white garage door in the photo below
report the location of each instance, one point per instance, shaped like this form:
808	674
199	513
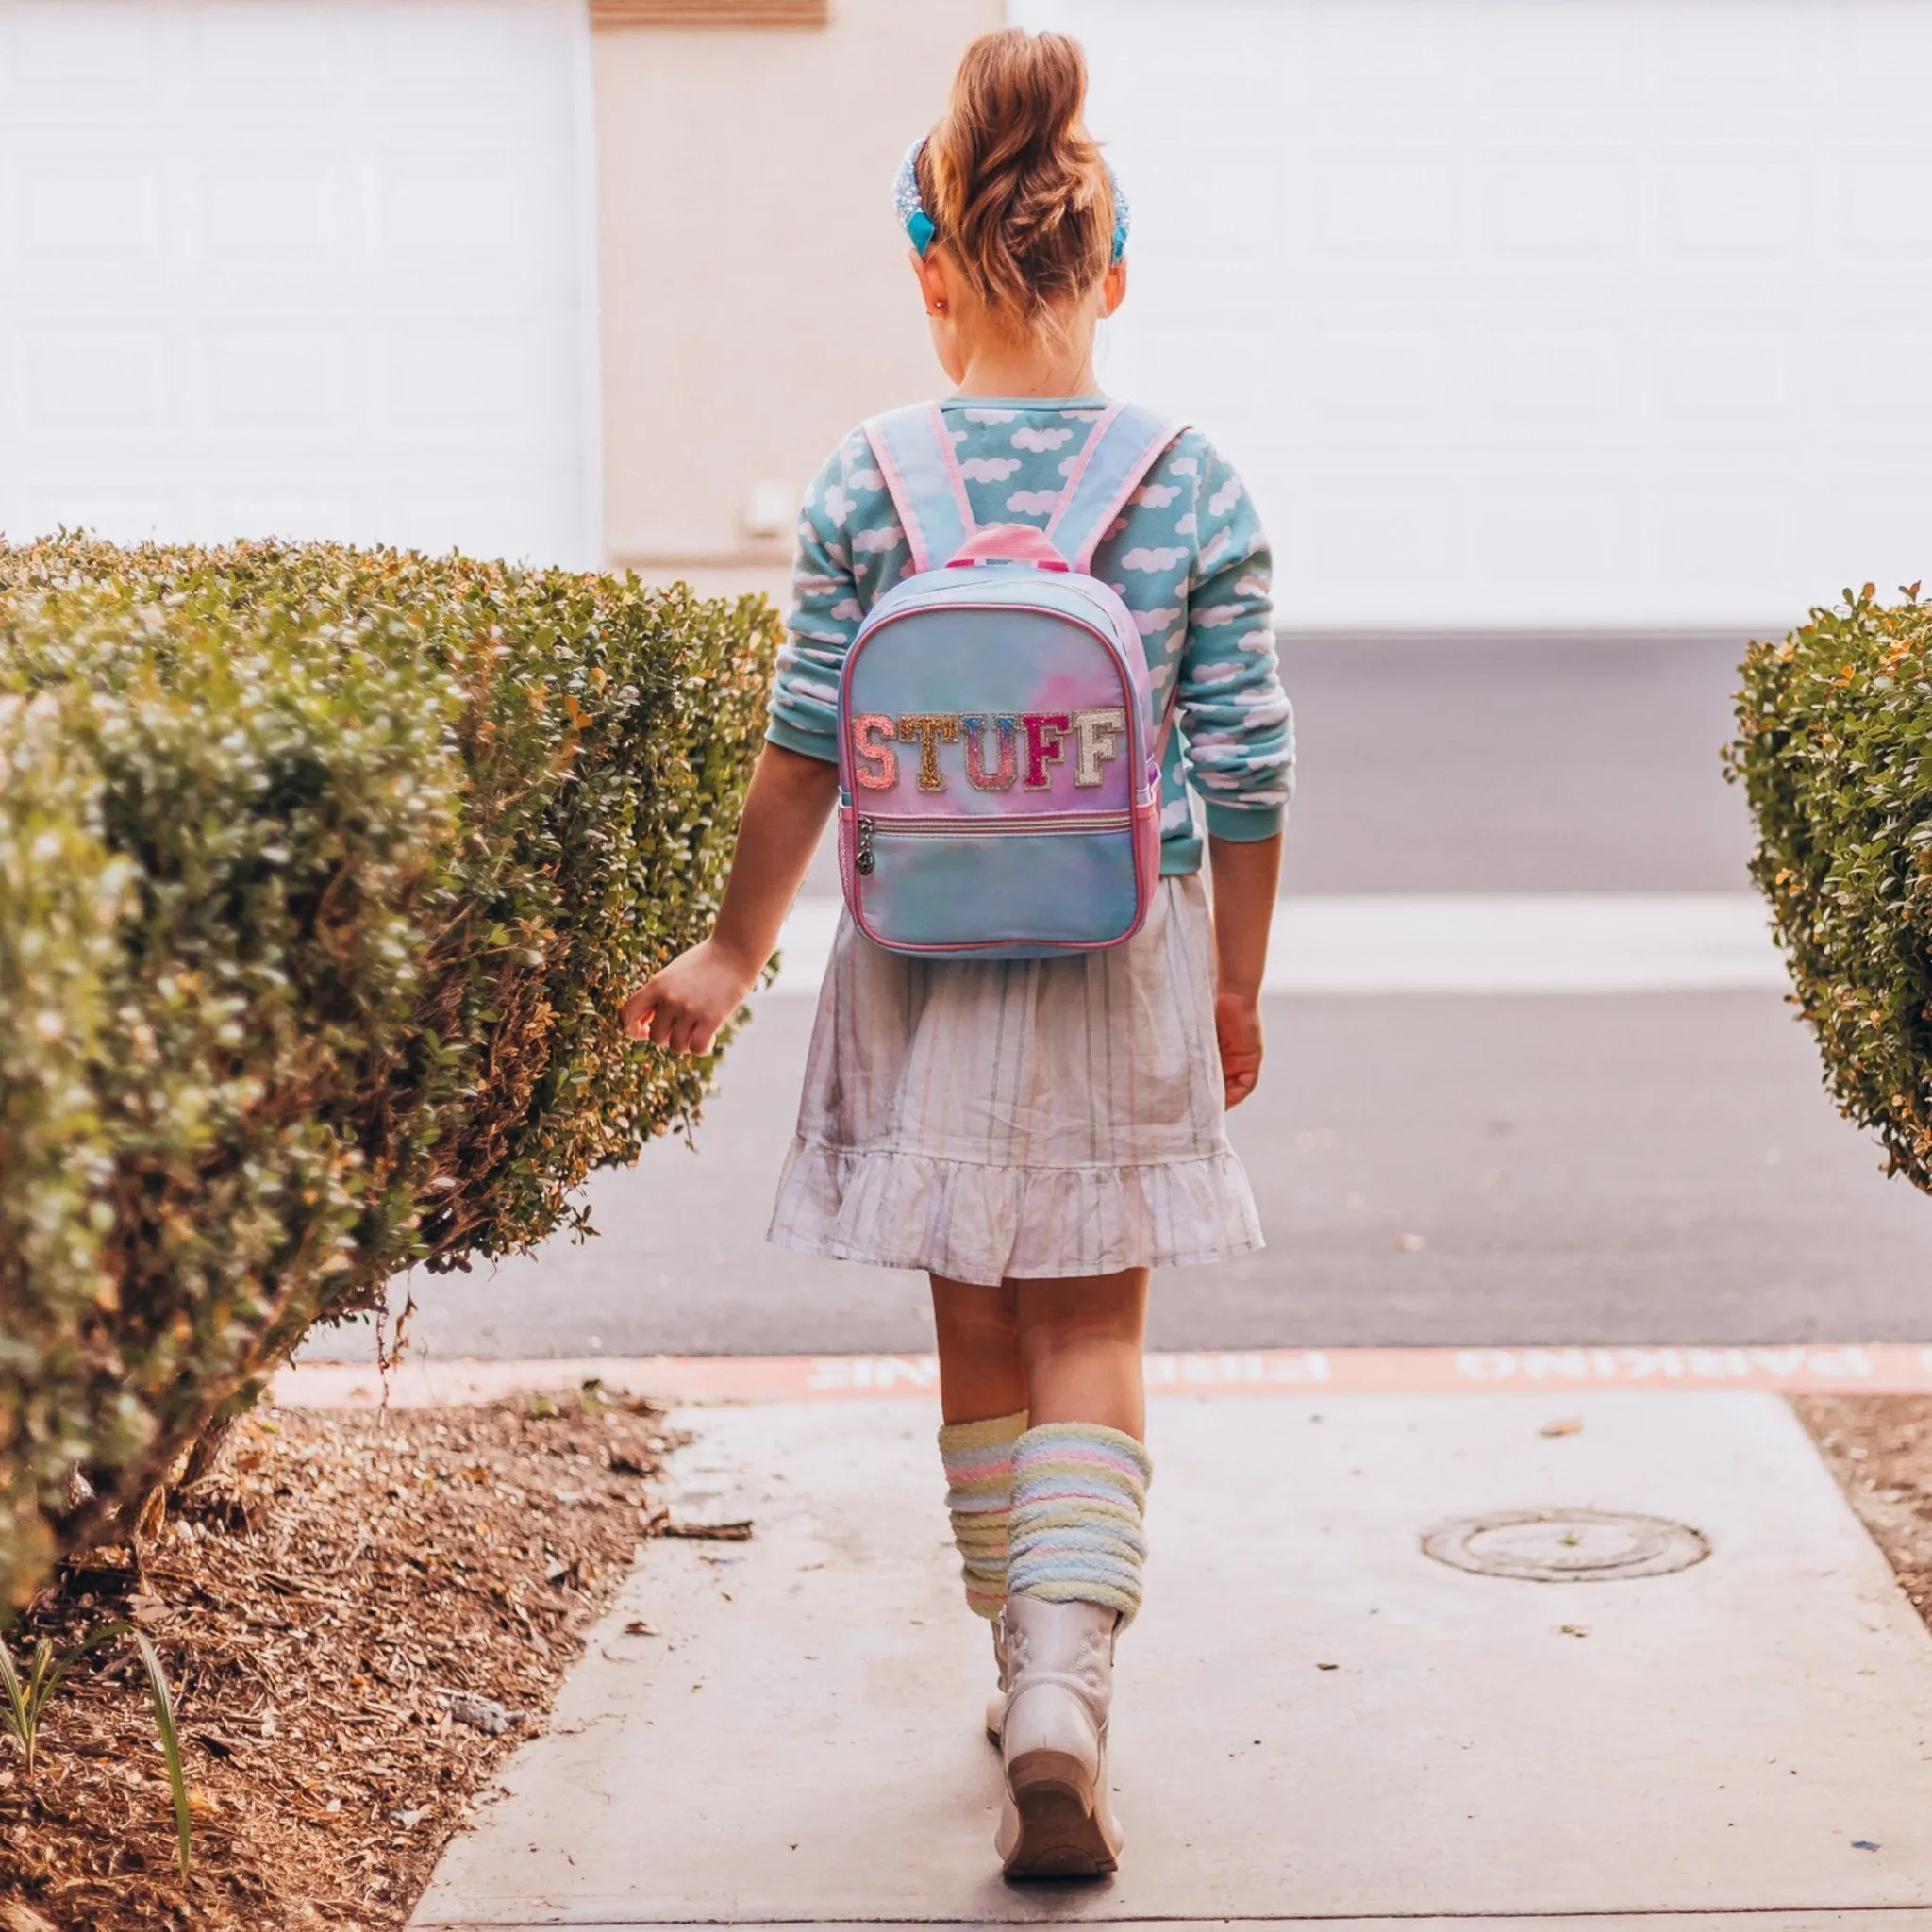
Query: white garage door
299	267
1587	312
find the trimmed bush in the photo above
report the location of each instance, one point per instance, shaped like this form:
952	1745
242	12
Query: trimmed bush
1834	750
323	874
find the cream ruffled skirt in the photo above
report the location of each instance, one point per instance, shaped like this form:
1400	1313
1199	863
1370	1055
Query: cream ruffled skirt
1020	1119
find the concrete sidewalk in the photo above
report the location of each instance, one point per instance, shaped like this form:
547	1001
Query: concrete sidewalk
1315	1719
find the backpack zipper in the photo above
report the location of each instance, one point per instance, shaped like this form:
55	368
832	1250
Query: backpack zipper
1044	824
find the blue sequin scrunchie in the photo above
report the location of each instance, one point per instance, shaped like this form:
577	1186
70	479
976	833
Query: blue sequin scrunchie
918	225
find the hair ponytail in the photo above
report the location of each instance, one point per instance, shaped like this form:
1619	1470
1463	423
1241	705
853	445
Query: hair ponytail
1015	185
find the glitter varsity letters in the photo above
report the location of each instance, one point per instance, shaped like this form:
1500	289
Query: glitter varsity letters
1001	748
1047	745
1003	724
875	765
930	727
1099	729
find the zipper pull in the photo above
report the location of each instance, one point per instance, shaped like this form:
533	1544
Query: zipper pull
862	859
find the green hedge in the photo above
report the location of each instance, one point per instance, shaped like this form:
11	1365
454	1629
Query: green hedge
1834	748
322	873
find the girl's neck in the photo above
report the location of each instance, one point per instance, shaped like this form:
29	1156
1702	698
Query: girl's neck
1027	369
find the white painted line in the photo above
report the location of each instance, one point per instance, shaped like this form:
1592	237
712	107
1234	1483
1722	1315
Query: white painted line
1521	942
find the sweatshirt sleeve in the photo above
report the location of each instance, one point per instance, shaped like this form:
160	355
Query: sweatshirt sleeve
1237	728
825	613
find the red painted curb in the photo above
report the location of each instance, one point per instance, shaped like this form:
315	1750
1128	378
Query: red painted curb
1866	1368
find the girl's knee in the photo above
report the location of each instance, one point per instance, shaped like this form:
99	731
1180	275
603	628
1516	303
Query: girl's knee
1060	1318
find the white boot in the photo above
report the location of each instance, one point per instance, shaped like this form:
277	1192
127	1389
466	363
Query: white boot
996	1704
1057	1822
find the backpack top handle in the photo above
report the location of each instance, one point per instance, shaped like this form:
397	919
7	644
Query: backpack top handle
1009	544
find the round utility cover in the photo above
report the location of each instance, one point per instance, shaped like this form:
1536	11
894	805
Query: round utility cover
1566	1545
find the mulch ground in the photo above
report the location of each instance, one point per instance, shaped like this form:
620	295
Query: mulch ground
1881	1449
339	1609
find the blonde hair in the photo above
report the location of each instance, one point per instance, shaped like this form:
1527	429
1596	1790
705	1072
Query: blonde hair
1013	182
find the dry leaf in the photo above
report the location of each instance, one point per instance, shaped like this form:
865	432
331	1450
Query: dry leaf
1569	1426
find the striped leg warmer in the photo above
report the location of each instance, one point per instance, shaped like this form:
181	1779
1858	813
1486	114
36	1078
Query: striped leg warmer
979	1492
1079	1492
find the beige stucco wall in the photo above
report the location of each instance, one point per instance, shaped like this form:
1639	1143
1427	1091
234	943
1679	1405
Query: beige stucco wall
755	299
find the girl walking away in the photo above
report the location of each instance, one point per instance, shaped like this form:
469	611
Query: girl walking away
1032	1022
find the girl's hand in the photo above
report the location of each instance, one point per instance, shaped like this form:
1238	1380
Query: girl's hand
685	1005
1238	1030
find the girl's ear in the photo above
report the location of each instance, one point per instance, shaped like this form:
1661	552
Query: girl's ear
1113	288
930	270
936	293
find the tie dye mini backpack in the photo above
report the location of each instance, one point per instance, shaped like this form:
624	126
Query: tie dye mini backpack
999	756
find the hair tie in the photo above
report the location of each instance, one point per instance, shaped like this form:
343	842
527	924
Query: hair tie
919	227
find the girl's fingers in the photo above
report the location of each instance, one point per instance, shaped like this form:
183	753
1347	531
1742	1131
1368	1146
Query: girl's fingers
693	1034
1239	1077
638	1010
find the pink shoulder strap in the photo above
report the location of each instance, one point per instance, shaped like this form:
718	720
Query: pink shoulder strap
915	455
1126	444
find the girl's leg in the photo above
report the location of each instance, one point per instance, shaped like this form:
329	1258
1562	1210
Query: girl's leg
983	1401
1081	1341
981	1371
1075	1548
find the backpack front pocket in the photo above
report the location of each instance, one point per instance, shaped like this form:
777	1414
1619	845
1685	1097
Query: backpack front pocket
1053	881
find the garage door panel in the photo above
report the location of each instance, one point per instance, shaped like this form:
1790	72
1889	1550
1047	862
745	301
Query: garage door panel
1392	204
1884	51
1882	200
1885	378
106	46
1366	376
267	60
1570	374
74	207
1215	203
1553	59
1744	204
268	220
96	383
1633	279
1376	533
280	379
1732	525
1735	66
1552	205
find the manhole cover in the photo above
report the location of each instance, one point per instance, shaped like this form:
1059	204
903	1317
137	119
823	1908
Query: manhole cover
1566	1545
